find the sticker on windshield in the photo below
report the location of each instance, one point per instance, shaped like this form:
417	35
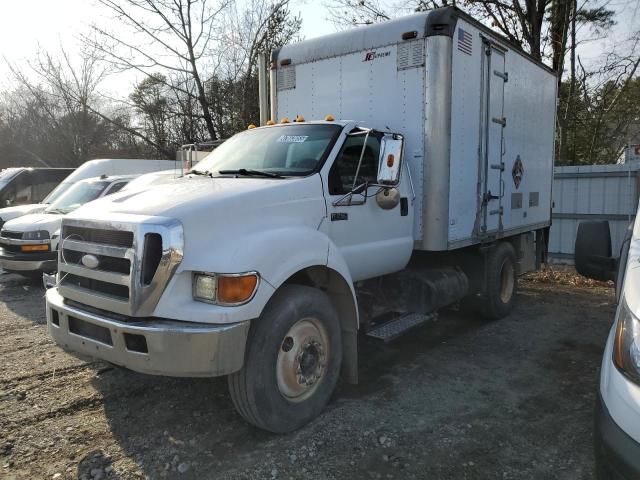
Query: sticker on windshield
293	138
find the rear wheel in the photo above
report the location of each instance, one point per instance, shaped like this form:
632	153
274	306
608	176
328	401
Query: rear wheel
502	281
292	362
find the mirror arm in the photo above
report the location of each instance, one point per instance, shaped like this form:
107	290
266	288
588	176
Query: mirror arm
357	190
364	146
413	190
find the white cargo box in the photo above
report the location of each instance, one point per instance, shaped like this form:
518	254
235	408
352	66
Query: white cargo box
477	114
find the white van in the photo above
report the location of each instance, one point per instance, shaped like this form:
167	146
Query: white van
617	414
92	168
28	245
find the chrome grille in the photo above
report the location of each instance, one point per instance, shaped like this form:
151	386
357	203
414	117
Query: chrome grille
117	238
10	234
127	266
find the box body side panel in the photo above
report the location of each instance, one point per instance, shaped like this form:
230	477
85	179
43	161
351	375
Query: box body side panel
527	141
465	172
529	109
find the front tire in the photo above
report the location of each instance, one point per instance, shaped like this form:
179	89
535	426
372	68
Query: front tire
292	361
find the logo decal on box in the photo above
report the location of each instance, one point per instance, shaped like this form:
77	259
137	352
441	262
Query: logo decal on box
370	56
517	172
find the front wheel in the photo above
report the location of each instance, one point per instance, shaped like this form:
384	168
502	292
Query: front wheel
292	362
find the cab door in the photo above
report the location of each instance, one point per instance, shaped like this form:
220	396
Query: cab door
372	240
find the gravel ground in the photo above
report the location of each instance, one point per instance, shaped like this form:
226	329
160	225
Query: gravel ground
459	398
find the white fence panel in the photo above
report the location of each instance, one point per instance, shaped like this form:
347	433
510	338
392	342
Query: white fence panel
591	192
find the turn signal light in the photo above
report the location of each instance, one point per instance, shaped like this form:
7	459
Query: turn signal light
236	289
34	248
390	160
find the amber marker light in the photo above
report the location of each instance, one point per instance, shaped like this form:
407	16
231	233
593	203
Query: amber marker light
285	120
34	248
390	160
270	122
236	289
329	118
251	126
299	118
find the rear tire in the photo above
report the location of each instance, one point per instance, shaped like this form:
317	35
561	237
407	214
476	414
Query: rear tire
292	361
502	281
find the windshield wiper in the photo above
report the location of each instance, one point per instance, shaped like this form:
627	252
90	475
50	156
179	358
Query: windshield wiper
198	172
248	172
58	211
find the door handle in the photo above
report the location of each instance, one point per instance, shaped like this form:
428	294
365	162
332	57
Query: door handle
488	197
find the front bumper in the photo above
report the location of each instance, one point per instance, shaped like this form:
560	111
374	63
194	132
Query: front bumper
154	346
617	454
28	262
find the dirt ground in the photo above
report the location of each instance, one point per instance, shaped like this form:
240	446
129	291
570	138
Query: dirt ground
459	398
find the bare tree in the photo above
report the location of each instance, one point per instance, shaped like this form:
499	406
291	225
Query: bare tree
177	37
64	92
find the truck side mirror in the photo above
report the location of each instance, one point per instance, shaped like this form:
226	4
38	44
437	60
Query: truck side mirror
593	251
391	146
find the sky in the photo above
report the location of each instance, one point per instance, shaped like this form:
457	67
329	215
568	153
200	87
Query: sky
27	24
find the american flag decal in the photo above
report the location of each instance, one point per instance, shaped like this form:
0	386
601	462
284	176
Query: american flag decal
465	42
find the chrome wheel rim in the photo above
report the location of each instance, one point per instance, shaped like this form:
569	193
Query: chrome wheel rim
507	281
302	359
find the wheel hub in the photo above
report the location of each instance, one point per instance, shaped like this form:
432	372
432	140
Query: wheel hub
310	363
302	359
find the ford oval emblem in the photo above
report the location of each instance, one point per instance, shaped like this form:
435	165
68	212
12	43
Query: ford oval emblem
90	261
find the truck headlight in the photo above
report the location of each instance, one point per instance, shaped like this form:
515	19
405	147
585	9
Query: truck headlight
225	289
626	346
36	235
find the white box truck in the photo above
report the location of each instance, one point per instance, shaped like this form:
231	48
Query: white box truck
427	183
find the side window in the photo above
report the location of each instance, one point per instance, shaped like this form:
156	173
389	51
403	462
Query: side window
343	170
43	182
116	187
23	188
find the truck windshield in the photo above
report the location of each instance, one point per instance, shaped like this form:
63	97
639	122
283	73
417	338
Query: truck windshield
281	150
77	195
57	192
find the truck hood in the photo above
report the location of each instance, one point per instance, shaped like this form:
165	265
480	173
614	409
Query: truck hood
10	213
223	219
36	221
189	196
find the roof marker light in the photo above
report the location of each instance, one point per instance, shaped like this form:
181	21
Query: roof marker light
285	120
299	118
270	122
329	118
251	126
409	35
285	62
